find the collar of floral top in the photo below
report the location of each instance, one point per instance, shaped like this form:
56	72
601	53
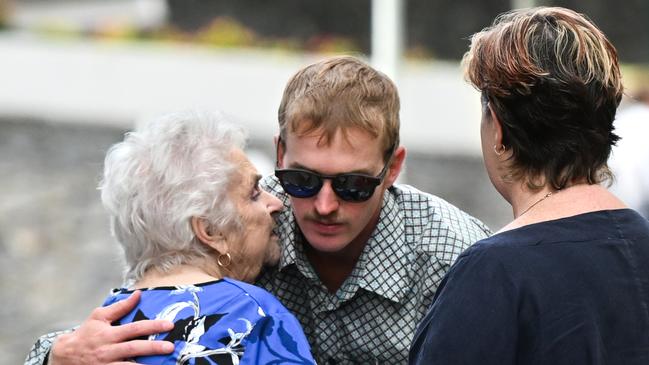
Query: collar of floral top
383	265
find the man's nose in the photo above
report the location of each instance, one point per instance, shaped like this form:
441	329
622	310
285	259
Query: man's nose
326	201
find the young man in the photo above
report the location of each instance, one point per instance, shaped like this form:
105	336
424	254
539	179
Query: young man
361	257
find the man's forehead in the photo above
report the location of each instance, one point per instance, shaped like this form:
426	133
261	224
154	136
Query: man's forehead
344	153
351	136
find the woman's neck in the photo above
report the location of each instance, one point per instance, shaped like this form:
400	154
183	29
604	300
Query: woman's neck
179	275
549	204
524	200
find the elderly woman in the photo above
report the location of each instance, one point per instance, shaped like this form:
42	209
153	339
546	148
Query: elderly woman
567	281
187	210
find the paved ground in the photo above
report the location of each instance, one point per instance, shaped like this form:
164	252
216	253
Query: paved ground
57	260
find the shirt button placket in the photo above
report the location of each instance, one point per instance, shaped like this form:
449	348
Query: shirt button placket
328	336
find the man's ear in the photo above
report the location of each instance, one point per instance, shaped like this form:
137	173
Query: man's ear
279	149
205	235
398	159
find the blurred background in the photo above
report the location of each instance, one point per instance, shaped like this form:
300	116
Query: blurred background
75	75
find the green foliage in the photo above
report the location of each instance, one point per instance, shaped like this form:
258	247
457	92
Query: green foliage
635	78
4	13
226	32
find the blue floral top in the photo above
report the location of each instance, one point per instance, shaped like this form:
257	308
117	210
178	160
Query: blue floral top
220	322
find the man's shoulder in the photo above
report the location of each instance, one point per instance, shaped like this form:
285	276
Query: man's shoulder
436	225
271	184
418	205
264	299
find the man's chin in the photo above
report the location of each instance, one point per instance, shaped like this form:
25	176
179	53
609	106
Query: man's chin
328	244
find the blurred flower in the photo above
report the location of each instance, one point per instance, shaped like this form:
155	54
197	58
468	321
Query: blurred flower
328	43
226	32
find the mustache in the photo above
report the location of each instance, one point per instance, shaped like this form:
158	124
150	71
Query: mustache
324	219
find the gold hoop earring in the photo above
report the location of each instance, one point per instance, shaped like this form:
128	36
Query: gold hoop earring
500	150
228	260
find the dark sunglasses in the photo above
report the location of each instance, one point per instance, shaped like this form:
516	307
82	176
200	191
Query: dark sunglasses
350	187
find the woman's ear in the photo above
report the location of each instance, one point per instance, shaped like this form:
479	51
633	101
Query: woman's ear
497	127
204	233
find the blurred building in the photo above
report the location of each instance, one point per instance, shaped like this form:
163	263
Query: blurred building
434	28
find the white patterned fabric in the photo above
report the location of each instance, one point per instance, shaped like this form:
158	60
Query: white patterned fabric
40	351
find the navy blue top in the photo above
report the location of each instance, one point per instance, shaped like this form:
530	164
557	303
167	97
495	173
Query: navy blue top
568	291
220	322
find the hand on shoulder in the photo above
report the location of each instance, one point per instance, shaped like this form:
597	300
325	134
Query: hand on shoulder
97	341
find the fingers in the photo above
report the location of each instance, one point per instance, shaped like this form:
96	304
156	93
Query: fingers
97	341
135	348
117	310
137	329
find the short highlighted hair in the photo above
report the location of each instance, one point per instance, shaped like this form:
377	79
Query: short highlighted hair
553	79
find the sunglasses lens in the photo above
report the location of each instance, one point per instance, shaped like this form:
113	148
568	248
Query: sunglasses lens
355	188
300	184
349	187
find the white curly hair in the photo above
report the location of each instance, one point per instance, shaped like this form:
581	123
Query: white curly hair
164	173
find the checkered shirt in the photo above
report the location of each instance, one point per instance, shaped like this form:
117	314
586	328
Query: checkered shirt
372	317
40	351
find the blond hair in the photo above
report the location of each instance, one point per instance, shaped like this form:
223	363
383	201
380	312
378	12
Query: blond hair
338	94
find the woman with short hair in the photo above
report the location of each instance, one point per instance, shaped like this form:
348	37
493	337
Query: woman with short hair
567	281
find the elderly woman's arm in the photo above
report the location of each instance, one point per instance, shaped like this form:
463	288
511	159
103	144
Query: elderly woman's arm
96	341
